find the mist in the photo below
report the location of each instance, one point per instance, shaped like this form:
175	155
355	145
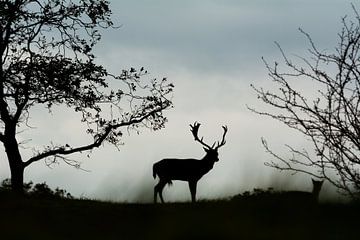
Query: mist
211	51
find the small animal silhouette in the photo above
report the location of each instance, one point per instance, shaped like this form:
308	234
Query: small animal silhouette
312	196
190	170
282	198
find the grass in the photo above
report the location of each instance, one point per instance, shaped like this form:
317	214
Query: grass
38	218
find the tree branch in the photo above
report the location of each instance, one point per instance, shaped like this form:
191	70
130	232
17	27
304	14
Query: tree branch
330	121
98	141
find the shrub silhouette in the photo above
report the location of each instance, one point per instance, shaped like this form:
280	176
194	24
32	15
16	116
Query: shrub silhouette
39	190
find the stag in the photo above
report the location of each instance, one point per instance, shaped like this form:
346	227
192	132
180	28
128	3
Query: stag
190	170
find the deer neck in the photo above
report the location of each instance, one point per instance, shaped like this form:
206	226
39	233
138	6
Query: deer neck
208	162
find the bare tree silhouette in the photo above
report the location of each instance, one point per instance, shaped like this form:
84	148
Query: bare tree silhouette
190	170
327	114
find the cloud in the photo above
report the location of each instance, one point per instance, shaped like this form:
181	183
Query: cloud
211	51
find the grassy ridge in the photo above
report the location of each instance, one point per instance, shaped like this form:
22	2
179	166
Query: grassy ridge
30	218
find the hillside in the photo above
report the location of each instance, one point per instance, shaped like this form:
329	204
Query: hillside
34	218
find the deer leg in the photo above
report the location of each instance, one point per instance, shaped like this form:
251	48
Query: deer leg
192	186
158	190
155	193
161	190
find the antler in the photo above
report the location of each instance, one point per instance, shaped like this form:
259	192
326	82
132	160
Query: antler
194	129
222	143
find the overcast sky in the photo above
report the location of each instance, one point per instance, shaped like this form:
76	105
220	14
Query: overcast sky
211	50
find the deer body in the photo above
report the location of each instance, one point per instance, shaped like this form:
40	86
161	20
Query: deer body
182	169
190	170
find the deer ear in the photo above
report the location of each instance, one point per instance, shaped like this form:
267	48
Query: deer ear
206	150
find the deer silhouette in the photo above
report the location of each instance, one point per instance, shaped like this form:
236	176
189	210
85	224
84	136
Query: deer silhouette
190	170
312	197
283	198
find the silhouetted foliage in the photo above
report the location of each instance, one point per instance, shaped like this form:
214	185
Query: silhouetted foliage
39	190
329	116
256	193
46	48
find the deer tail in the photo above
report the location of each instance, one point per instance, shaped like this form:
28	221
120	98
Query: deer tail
154	170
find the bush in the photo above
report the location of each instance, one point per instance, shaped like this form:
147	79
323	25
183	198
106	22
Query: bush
39	190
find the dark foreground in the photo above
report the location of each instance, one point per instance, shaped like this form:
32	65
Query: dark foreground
84	219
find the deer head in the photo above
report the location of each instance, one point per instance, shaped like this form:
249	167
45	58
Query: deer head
211	152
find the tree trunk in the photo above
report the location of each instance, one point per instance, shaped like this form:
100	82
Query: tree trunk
17	178
16	164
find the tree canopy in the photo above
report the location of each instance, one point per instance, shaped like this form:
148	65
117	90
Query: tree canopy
47	59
